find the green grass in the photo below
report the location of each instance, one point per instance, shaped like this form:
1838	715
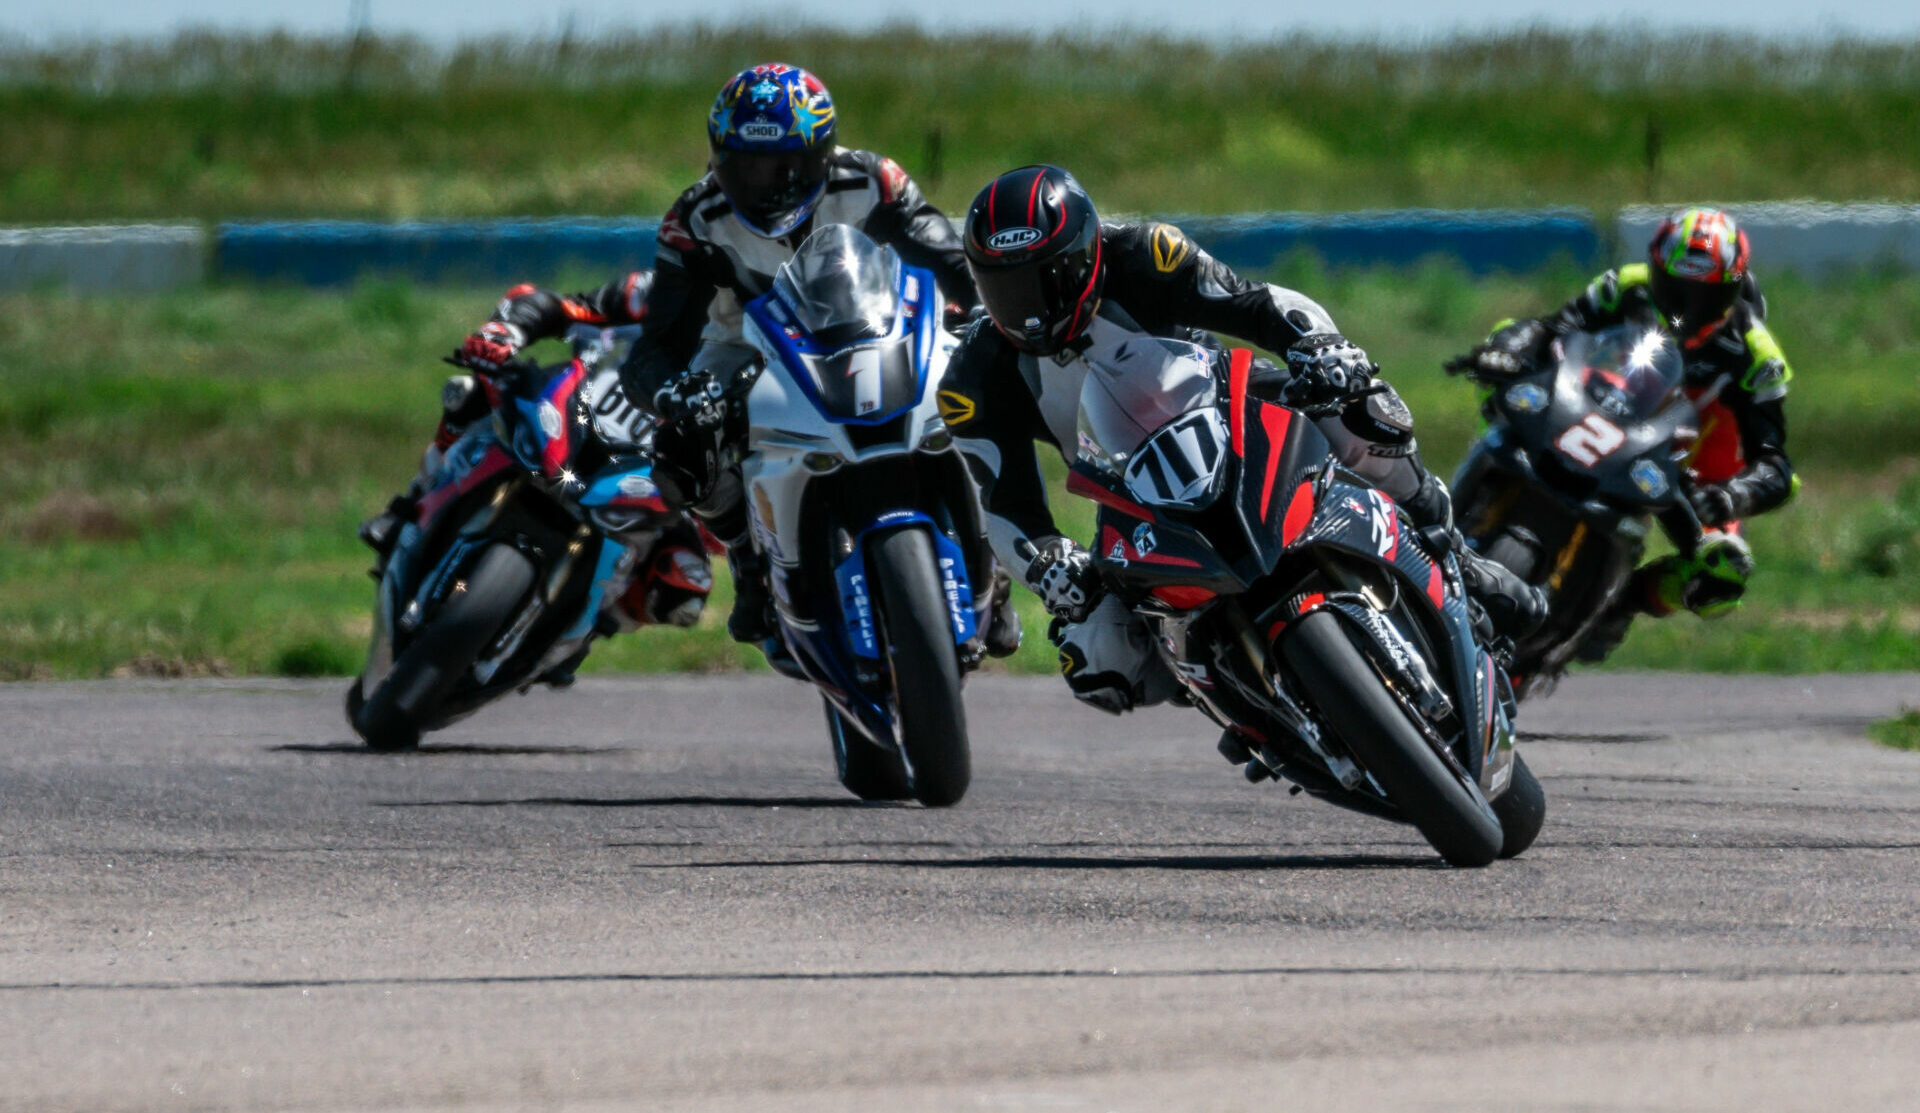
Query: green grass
215	127
1901	732
180	475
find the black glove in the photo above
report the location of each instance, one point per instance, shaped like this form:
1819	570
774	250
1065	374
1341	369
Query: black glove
690	398
1713	503
1325	367
1508	353
1061	573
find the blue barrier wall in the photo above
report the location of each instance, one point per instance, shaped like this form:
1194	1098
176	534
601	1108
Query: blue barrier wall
331	252
496	252
1482	242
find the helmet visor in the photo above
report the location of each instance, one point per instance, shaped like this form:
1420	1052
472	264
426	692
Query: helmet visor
1691	307
1036	305
773	190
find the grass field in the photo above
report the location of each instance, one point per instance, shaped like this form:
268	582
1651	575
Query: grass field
180	476
210	127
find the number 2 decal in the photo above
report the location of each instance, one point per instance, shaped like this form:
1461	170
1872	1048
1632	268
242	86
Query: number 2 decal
1593	438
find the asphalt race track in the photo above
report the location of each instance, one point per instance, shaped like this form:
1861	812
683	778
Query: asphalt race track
651	894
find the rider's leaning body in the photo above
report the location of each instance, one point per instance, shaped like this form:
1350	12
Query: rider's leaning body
1066	293
1696	287
775	175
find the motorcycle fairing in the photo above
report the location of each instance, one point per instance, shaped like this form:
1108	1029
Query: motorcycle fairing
607	571
551	422
866	383
459	478
627	483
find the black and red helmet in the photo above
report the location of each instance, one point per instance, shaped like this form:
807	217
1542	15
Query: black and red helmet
1033	245
1697	269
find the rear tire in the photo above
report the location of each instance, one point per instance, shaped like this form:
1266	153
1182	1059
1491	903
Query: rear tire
1522	809
430	668
925	666
867	771
1350	697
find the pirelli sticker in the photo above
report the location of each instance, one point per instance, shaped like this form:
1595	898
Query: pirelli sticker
1170	248
955	408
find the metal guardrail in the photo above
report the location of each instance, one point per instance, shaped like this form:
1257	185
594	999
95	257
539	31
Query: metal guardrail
103	259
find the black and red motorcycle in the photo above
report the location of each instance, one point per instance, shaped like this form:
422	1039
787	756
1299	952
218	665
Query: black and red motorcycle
1298	606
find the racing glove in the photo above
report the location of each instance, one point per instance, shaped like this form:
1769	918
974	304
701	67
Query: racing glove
1712	581
1325	367
1062	574
1713	503
1509	352
691	398
490	347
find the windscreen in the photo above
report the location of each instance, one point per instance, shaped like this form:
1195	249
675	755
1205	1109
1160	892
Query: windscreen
1629	372
841	285
1135	390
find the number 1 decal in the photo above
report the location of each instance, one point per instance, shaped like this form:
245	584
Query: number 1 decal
1592	439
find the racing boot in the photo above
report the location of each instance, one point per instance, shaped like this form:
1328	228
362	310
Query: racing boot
1513	607
382	531
1003	627
751	622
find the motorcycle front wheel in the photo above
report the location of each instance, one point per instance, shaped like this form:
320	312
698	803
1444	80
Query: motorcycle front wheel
1352	700
866	770
932	720
432	666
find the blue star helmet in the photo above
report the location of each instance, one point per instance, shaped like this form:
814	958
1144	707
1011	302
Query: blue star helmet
771	132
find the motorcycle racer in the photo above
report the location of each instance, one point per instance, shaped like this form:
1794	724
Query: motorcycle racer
672	587
1697	286
776	174
1064	292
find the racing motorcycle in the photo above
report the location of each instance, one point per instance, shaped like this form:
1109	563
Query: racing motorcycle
1581	455
866	511
517	557
1297	605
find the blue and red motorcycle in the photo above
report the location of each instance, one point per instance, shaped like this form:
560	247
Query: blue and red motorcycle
1298	607
542	532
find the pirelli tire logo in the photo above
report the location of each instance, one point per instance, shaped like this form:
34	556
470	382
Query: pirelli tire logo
955	408
1170	248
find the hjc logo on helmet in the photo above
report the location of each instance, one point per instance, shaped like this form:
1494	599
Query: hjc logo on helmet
1009	239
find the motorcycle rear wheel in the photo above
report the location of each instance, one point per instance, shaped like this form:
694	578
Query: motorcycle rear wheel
433	665
866	770
1350	697
925	665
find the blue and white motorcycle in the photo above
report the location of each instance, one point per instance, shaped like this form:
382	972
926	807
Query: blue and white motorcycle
870	520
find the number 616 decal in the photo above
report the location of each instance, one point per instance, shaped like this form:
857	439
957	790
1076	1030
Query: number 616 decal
1589	441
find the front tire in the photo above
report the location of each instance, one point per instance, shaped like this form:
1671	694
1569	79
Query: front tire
866	770
1522	809
925	666
1351	699
439	657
